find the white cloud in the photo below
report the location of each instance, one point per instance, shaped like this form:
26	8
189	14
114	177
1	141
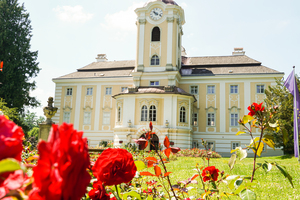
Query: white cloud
122	22
72	14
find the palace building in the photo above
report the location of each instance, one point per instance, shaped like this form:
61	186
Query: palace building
186	98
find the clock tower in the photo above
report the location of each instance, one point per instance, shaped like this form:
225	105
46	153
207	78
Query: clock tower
159	26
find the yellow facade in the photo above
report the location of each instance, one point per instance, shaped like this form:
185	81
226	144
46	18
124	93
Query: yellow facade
187	98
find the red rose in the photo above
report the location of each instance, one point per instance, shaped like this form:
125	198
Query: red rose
61	169
254	108
210	173
98	192
11	137
11	181
114	166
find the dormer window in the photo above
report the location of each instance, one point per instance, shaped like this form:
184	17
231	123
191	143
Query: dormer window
155	34
155	60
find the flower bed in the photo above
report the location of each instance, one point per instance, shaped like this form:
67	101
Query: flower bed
195	152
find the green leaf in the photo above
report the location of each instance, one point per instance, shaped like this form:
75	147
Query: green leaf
273	125
285	173
233	179
149	198
247	118
133	194
259	148
231	161
240	132
247	195
267	167
9	165
140	165
240	187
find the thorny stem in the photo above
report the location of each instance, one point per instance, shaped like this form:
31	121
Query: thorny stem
162	182
256	149
201	178
163	164
117	193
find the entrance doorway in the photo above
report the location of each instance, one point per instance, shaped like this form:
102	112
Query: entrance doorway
152	143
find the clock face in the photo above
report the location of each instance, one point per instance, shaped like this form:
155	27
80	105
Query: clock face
156	13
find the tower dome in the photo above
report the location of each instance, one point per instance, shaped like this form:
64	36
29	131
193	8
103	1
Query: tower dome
169	2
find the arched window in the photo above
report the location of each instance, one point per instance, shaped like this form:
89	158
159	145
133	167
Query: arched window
182	114
119	114
144	113
155	60
152	113
155	34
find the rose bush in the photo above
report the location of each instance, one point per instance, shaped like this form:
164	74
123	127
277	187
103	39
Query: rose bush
61	169
11	137
114	166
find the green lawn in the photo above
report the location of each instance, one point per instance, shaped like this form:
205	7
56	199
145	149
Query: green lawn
272	185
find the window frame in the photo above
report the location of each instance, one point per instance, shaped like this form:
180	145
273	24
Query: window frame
123	89
64	117
191	89
108	90
85	120
236	124
193	119
157	38
154	83
213	143
259	85
209	119
182	115
106	120
144	113
68	93
156	60
119	111
236	89
152	113
235	142
89	91
208	91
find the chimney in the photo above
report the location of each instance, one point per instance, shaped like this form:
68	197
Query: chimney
238	52
101	58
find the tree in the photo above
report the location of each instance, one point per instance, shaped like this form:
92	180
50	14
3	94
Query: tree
20	64
279	95
11	113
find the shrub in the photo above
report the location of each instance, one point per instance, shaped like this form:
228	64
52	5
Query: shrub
195	152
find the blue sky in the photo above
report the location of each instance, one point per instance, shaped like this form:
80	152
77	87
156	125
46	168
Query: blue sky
70	33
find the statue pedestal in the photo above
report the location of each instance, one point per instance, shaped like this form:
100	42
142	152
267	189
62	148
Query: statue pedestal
44	131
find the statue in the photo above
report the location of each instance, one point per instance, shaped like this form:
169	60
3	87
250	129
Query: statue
45	127
49	111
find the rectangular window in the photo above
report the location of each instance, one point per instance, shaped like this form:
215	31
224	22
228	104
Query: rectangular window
210	89
195	144
195	119
210	119
234	118
211	145
69	91
154	83
260	89
67	117
106	118
87	118
108	91
89	91
194	89
123	89
233	89
235	145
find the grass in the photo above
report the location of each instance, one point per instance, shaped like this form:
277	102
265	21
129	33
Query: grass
271	185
